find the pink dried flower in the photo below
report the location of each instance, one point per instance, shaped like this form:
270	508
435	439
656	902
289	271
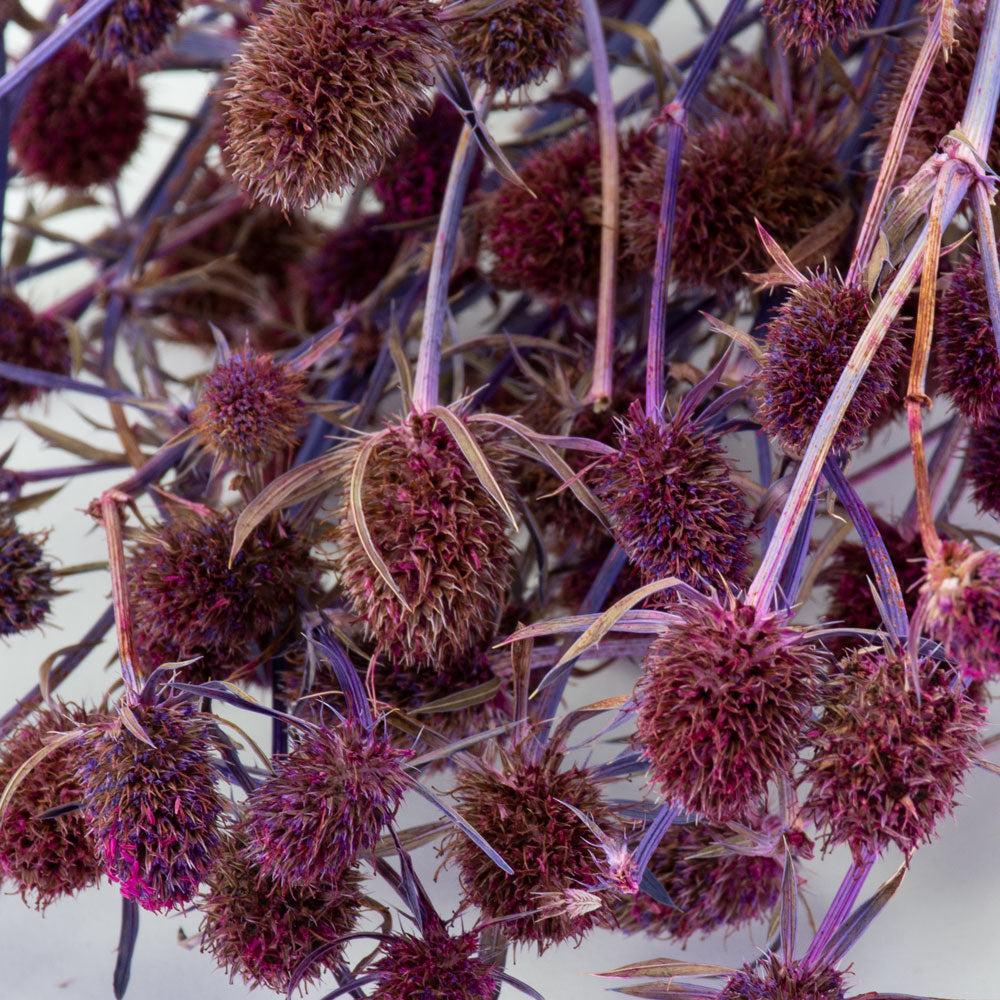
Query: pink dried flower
887	765
250	408
436	966
674	505
326	803
262	931
80	121
770	979
26	579
323	92
809	26
32	341
809	341
982	465
46	859
130	29
153	810
722	703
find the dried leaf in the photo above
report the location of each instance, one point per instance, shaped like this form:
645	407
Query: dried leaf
665	967
73	445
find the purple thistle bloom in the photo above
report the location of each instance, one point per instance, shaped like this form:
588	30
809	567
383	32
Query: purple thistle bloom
982	466
26	580
770	979
130	29
32	342
809	26
436	966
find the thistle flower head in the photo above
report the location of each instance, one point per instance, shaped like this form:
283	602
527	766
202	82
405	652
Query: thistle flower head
326	803
673	503
189	601
809	341
887	764
152	808
130	29
80	121
517	44
721	890
734	170
322	93
809	26
263	931
519	808
26	579
982	465
442	537
31	341
46	859
961	599
722	702
436	966
965	348
250	408
771	979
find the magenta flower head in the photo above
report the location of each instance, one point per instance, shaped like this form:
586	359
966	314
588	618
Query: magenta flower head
80	121
519	808
965	349
130	30
887	764
809	341
443	538
323	92
26	579
31	341
250	408
151	802
771	979
326	803
46	859
809	26
710	890
982	465
674	505
265	932
722	703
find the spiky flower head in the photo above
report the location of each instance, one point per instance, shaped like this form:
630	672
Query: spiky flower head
809	341
31	341
887	762
411	184
710	887
518	44
189	601
734	170
722	702
443	538
129	30
809	26
262	931
674	505
250	408
323	91
771	979
982	465
960	602
26	579
965	349
46	859
326	803
80	121
436	966
518	807
152	806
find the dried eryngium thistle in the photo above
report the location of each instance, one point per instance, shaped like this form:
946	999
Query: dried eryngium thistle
887	762
26	579
249	408
264	932
31	341
809	340
809	26
722	704
129	30
153	808
982	465
442	537
771	979
323	91
326	803
46	859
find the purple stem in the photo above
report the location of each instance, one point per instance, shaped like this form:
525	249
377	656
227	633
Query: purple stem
840	908
988	254
791	578
52	380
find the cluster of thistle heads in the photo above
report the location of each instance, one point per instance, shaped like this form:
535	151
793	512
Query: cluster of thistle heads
472	420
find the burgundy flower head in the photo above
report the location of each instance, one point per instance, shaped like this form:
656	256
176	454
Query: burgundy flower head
886	765
130	29
722	704
46	859
982	465
153	810
31	341
80	121
436	966
809	341
771	979
809	26
326	803
26	579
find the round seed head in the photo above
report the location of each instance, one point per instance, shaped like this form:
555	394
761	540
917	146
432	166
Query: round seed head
129	30
80	121
770	979
323	91
809	26
982	465
722	704
31	341
26	580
